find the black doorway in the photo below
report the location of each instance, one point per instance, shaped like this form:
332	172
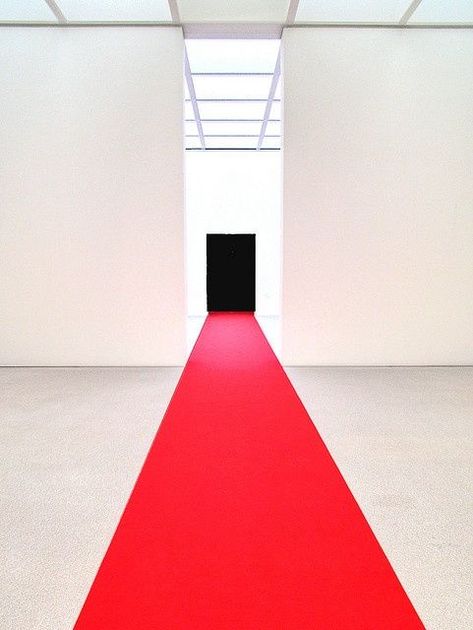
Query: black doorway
231	272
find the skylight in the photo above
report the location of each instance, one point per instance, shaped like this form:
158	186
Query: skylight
232	96
209	16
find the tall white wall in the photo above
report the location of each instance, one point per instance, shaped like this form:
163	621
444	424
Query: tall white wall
378	196
91	196
234	192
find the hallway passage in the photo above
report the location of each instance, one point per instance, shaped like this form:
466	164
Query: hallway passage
240	518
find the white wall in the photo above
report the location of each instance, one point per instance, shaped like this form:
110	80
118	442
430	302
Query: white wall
378	196
234	192
91	196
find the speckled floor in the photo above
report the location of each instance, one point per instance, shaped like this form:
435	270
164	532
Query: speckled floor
72	442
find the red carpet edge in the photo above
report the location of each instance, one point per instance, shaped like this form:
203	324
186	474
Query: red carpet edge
240	518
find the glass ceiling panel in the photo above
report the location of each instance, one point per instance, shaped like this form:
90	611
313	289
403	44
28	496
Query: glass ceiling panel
233	10
441	11
273	128
228	110
190	128
277	94
276	110
188	110
252	86
387	11
193	143
271	143
231	143
116	10
231	128
234	55
26	11
232	81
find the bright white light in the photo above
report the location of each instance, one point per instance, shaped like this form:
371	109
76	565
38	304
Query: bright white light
230	143
232	128
379	11
26	11
273	129
191	128
193	143
276	111
232	191
116	10
232	55
271	143
252	86
229	110
440	11
188	110
277	93
232	81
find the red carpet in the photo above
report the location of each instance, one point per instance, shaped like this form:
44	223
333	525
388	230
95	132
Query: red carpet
240	518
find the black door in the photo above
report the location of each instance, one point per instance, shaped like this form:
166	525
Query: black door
230	272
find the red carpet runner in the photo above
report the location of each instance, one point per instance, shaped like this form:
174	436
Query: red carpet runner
240	519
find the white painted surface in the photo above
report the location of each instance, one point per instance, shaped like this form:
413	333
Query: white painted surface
91	197
378	199
234	192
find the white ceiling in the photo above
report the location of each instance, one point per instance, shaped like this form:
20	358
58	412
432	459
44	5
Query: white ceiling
233	10
26	10
351	10
451	11
239	12
115	10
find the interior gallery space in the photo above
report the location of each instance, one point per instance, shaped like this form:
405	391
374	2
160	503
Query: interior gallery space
236	314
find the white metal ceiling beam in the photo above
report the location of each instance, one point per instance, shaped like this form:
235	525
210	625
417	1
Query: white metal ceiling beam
52	4
87	24
232	135
414	5
292	12
193	97
234	100
232	30
174	10
234	120
232	74
269	102
274	32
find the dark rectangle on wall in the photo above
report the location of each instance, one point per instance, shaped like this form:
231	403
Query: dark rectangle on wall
231	272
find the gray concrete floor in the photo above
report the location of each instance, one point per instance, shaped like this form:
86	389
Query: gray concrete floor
72	442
